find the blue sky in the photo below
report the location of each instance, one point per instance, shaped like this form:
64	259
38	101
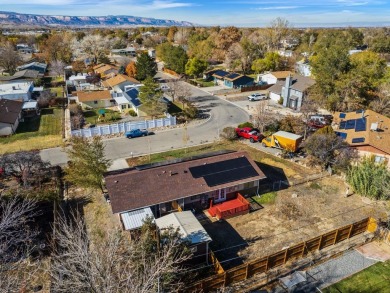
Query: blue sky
207	12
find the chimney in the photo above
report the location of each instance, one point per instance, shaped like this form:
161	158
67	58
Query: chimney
6	109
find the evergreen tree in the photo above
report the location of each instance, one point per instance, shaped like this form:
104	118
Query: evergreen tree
87	162
145	67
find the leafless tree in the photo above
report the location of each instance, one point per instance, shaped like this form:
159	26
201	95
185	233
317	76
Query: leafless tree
57	67
262	116
44	99
381	104
309	107
9	58
182	35
178	90
93	46
16	241
27	167
112	264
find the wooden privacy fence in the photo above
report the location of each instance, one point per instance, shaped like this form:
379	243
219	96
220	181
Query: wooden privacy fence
280	258
255	88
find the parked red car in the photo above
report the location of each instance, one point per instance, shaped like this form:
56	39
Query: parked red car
249	133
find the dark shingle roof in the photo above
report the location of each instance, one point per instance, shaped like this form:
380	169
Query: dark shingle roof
10	110
133	189
301	83
277	87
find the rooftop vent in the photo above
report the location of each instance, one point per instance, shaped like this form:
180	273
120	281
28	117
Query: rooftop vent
374	126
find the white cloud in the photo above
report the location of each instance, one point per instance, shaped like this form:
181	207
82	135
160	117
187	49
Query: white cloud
168	4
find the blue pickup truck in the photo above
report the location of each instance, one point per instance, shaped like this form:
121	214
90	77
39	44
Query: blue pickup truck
136	133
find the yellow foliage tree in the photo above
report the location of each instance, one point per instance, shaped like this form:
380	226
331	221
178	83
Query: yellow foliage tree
131	69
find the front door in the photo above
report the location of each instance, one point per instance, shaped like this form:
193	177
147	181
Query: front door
221	195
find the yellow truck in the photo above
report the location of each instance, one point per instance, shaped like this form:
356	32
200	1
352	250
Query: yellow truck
283	140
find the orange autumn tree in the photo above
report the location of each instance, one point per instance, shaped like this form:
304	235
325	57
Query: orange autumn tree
131	69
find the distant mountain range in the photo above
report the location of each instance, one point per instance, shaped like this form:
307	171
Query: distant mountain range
12	18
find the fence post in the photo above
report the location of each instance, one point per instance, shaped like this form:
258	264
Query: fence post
335	237
350	231
247	271
285	256
320	242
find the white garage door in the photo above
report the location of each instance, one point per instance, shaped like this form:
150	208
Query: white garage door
274	97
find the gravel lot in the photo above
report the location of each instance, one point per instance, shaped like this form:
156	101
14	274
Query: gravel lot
337	269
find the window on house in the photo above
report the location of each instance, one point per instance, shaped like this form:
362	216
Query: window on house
194	249
379	159
95	102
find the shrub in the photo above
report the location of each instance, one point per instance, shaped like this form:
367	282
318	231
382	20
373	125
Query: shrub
280	102
229	133
132	113
370	179
245	124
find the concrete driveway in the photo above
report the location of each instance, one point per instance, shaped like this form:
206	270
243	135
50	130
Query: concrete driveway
220	114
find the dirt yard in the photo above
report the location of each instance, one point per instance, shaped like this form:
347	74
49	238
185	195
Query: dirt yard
299	213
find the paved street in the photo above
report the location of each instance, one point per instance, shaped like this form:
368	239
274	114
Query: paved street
221	114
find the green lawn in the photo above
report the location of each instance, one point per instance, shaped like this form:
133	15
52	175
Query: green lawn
58	91
266	198
375	279
204	83
91	116
41	132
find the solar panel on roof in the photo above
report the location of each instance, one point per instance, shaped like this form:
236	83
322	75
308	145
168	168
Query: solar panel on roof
342	115
227	176
217	167
350	124
359	111
360	124
233	75
358	140
342	124
342	135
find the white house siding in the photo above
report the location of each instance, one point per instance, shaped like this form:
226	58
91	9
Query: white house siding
274	97
269	79
8	129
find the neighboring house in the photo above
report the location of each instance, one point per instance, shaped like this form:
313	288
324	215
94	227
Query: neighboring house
24	48
26	75
293	91
10	115
366	131
190	230
303	68
190	184
95	99
21	91
105	71
235	80
124	52
128	99
231	79
120	82
273	77
37	66
78	79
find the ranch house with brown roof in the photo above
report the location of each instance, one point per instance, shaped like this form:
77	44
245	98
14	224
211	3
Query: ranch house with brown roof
185	184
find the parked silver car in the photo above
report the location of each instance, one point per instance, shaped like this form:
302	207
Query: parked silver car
257	97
